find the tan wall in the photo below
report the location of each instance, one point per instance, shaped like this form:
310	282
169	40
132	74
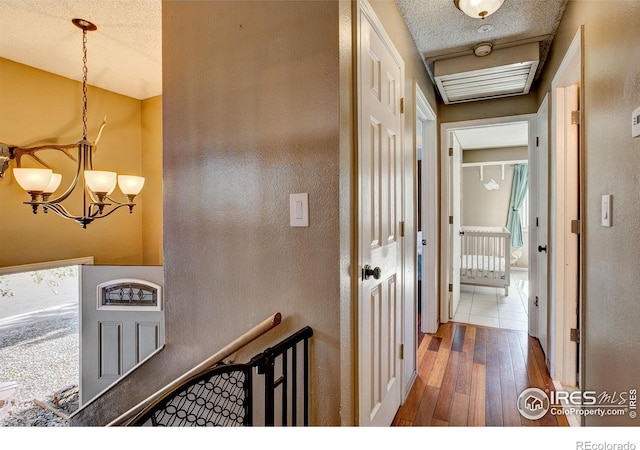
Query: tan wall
36	108
152	171
611	161
501	107
251	116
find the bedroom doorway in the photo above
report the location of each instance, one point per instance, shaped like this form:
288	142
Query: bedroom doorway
495	286
426	139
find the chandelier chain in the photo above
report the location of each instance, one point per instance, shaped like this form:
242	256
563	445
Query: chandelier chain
84	84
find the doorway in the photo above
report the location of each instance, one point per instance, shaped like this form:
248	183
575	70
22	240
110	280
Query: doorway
39	343
427	206
490	150
565	224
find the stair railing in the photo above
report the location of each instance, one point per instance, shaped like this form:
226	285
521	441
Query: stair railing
227	394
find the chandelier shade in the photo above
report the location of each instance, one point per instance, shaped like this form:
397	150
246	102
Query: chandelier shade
33	180
56	179
130	184
100	181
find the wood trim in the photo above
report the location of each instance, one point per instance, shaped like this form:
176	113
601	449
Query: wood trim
86	260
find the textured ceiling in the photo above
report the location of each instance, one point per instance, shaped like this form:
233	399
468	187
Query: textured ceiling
442	31
124	54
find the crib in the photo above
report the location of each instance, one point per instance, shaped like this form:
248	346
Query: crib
485	257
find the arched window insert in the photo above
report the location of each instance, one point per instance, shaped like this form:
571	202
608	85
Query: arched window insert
129	293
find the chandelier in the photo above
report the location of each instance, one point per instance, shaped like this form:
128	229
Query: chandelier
97	185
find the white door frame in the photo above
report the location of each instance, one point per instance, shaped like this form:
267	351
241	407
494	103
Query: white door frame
445	131
565	268
429	209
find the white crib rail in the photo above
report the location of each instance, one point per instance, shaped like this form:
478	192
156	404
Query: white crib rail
485	256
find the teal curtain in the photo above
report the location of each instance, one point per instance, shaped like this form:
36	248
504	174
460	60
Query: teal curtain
518	194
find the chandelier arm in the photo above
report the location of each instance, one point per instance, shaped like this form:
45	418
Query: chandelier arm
62	197
113	210
116	201
61	211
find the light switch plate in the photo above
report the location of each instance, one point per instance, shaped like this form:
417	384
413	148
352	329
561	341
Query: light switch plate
607	210
299	210
635	123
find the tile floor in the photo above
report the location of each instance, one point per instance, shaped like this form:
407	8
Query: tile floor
481	305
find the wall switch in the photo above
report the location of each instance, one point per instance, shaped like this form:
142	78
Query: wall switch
606	210
299	210
635	123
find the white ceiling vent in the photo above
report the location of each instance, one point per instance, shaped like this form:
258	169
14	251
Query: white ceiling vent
504	72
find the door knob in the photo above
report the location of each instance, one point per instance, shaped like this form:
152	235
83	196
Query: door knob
542	249
369	272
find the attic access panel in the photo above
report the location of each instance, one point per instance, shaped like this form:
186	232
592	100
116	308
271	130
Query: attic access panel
503	73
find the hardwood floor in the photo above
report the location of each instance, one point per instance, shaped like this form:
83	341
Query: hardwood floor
470	375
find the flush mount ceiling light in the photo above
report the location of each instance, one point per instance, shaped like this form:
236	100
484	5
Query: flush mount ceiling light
97	185
483	49
478	9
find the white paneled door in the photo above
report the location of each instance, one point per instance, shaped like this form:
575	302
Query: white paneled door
380	88
540	303
122	322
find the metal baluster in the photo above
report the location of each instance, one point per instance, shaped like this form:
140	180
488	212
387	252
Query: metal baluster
294	385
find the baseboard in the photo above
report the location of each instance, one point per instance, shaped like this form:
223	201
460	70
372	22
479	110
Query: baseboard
574	421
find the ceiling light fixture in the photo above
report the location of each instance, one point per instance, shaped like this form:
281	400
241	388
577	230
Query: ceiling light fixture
478	9
483	49
41	184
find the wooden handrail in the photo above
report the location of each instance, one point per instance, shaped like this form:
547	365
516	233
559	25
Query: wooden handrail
214	359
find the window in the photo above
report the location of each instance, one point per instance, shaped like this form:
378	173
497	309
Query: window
524	212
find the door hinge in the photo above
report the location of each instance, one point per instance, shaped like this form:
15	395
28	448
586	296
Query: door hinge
575	226
536	302
401	351
450	287
450	151
575	117
402	105
450	220
537	141
575	335
537	224
402	229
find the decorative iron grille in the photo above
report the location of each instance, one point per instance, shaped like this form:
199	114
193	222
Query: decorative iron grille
216	401
224	395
